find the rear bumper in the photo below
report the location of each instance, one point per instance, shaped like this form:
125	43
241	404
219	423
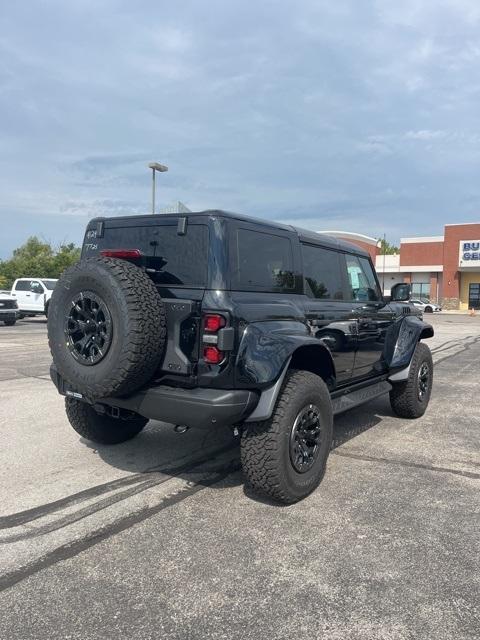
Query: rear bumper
200	408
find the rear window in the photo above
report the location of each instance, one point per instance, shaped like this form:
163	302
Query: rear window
263	261
177	260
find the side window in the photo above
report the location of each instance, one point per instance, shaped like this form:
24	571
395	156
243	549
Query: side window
361	279
22	285
36	287
264	261
322	273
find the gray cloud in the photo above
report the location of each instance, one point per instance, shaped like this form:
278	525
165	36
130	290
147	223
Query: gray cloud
362	116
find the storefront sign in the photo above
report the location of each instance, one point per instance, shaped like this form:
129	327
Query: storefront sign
469	253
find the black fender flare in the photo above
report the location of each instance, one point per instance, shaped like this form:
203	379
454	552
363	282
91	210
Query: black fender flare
265	352
401	341
265	348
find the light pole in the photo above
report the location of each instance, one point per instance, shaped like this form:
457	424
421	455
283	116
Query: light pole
155	166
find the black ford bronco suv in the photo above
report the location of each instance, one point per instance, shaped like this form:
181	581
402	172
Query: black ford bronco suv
214	319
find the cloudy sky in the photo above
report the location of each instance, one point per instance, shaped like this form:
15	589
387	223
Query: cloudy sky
354	115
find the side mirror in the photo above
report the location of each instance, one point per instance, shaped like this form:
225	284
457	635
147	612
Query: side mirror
400	292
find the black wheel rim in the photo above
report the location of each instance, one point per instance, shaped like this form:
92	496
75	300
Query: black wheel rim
88	328
305	439
423	380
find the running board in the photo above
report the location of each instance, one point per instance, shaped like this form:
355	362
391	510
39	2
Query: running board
352	399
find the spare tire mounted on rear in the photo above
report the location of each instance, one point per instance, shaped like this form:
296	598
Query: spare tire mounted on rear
106	327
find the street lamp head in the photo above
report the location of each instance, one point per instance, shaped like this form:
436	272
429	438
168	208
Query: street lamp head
156	166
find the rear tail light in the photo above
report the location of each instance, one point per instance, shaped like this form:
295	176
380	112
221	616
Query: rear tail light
121	253
212	355
212	324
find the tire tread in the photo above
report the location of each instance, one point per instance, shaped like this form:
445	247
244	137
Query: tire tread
261	441
403	395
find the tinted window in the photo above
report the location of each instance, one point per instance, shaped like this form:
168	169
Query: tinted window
322	273
22	285
177	259
362	281
264	261
36	287
50	284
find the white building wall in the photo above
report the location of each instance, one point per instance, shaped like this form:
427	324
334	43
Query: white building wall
389	280
388	271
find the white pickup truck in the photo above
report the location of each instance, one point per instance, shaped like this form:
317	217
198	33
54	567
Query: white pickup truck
33	295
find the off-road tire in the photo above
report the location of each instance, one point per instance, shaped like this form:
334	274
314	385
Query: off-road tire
102	429
9	323
265	446
404	396
138	323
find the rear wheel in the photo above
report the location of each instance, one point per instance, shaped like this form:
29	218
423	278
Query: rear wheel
102	428
10	323
410	398
428	309
285	457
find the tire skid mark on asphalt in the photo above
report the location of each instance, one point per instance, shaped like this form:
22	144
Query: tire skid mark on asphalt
465	346
458	344
25	376
450	343
65	521
447	342
72	549
405	463
140	480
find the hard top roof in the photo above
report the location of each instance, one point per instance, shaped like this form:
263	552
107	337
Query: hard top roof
303	234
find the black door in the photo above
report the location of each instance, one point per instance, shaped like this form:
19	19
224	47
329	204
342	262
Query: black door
474	295
327	311
373	317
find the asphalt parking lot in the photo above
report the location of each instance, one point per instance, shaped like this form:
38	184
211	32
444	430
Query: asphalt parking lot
156	538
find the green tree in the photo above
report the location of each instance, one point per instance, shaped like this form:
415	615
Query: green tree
66	255
387	248
37	259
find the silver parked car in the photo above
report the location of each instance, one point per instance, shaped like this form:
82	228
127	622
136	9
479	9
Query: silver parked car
425	305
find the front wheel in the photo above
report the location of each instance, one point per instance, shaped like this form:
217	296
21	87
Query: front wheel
410	398
102	428
10	323
285	457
